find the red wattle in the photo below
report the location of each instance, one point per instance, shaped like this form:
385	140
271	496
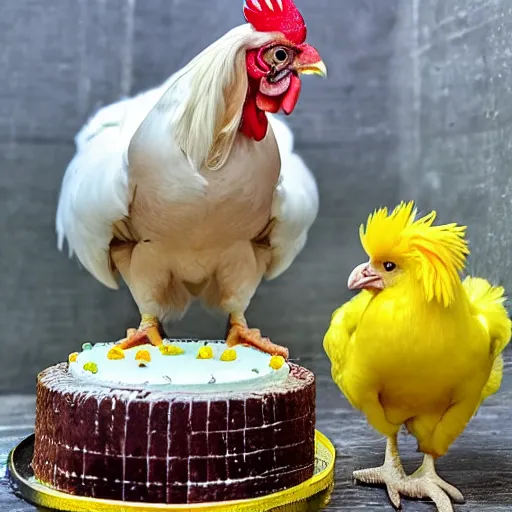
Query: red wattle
291	96
270	104
275	89
254	120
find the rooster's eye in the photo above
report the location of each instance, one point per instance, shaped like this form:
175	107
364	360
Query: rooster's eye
278	56
389	266
281	55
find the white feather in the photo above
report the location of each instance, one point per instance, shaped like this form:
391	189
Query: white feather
94	193
295	203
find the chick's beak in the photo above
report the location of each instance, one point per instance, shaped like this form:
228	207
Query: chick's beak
308	62
363	276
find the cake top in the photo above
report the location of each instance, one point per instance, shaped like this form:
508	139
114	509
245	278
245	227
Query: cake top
202	366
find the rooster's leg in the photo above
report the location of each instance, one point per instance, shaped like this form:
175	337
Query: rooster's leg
147	333
240	334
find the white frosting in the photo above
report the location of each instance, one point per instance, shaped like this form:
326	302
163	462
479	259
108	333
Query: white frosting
185	372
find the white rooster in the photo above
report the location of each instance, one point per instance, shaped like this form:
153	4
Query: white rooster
192	189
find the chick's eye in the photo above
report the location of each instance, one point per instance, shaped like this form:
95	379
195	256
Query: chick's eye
389	266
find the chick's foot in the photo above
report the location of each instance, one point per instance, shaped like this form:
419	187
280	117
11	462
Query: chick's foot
426	483
240	334
147	333
391	473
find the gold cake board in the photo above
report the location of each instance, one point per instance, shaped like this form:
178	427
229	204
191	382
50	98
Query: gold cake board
310	496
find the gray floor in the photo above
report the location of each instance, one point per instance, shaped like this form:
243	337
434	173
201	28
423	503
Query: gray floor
479	463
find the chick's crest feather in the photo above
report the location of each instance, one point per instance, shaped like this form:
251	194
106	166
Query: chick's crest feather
438	253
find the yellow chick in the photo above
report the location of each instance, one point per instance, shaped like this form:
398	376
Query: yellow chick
417	346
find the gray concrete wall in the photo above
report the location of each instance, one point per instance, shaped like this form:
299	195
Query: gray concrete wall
416	106
454	117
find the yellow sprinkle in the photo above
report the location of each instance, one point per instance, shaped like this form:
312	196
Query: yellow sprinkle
228	355
115	353
73	357
276	362
143	355
171	350
91	367
205	353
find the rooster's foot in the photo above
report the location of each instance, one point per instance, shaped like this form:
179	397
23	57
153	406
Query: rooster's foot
240	334
148	333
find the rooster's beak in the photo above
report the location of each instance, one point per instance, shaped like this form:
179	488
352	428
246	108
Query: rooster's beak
308	62
314	69
364	276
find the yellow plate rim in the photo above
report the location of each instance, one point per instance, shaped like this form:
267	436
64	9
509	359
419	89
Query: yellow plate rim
46	497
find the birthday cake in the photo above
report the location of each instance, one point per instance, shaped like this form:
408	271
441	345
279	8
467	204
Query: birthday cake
186	422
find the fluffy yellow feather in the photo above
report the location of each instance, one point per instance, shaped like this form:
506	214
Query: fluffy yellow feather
417	346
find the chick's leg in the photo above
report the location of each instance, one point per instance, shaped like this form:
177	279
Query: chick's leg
425	482
391	473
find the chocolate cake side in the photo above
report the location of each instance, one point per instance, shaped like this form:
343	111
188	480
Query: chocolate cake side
173	448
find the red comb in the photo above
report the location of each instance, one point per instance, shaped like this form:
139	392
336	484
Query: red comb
282	17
